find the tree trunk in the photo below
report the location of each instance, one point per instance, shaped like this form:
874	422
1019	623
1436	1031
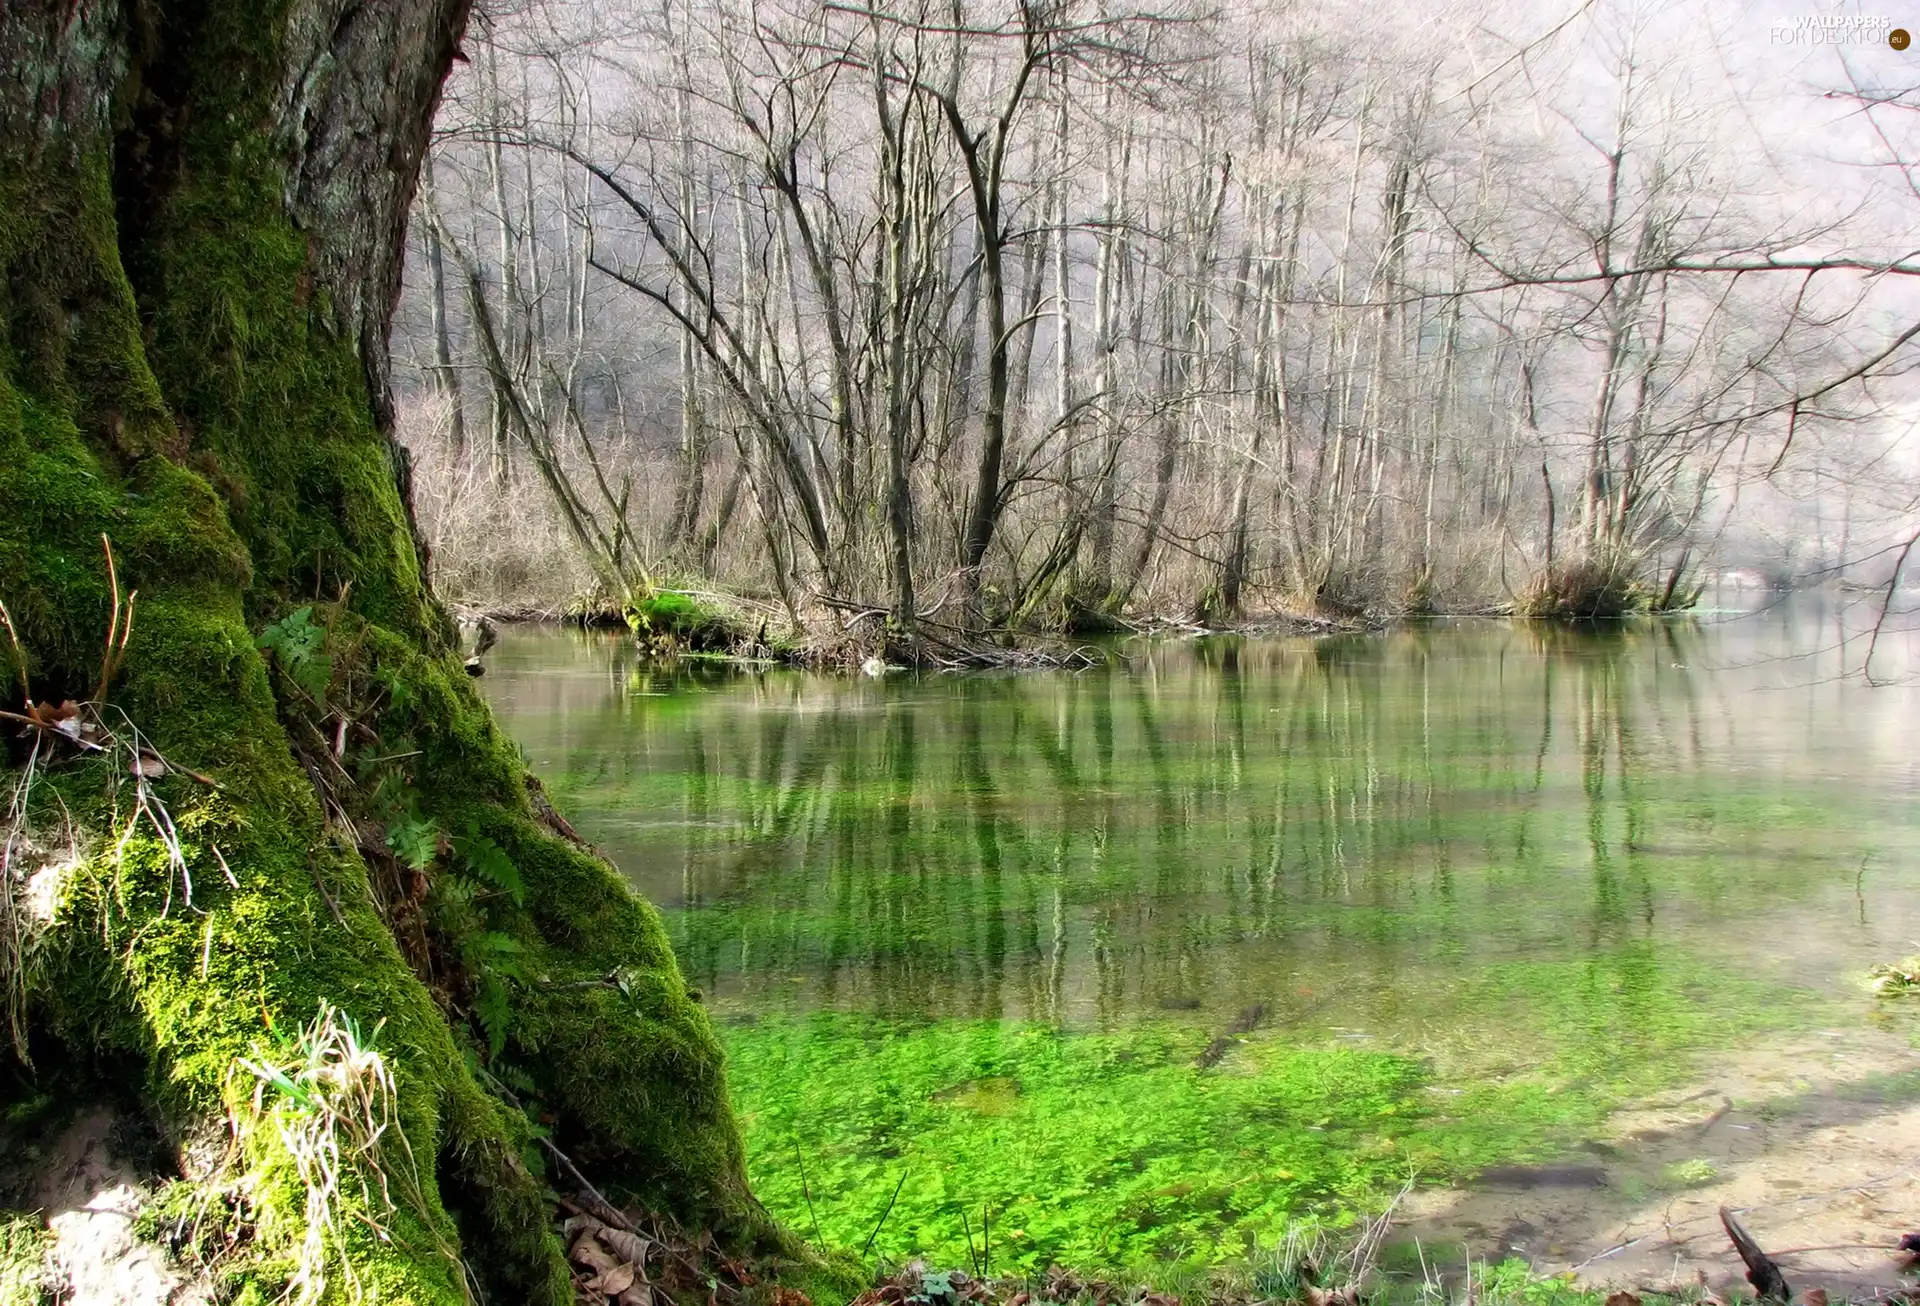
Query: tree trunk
204	216
446	381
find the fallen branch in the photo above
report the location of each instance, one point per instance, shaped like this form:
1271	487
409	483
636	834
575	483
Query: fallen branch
1762	1273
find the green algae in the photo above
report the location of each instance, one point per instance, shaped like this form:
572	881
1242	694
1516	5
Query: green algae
1115	1150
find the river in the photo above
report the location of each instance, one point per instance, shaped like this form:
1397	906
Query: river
1153	962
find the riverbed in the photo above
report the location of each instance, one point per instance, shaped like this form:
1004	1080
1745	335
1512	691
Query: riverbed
1150	963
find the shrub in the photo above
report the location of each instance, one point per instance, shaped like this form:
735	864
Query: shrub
1589	587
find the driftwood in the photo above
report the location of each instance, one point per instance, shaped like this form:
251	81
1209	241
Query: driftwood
1762	1272
1244	1023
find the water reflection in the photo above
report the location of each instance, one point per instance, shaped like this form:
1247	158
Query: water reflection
1338	829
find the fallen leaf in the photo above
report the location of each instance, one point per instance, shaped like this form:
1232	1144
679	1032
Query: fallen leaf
627	1246
638	1295
587	1251
1815	1297
612	1282
1624	1299
147	766
46	714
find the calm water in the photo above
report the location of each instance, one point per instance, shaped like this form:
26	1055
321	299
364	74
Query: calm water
1153	960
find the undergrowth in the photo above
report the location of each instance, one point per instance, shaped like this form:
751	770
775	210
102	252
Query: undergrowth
1590	587
1604	585
673	621
1306	1268
1896	979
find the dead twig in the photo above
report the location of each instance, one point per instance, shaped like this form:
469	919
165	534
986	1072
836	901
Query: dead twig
19	654
114	653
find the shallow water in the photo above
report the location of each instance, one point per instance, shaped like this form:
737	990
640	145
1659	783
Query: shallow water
1150	962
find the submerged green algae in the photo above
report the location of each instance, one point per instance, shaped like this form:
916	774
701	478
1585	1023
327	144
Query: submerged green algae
1114	1150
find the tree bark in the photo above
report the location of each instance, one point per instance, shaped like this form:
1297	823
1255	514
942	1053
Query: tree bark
202	213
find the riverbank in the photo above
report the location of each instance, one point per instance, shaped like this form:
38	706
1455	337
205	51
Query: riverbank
1815	1142
724	628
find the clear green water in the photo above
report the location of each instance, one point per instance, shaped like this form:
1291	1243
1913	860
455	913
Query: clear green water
970	937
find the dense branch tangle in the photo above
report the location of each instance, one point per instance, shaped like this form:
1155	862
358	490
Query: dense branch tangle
1038	311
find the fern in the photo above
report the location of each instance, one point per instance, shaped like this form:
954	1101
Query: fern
454	892
489	861
494	959
415	842
300	647
399	692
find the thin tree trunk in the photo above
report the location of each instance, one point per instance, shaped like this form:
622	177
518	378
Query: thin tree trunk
446	381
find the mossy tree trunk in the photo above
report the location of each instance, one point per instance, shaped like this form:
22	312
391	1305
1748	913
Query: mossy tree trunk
202	208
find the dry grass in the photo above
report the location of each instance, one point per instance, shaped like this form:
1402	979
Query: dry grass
94	728
329	1098
495	544
1589	587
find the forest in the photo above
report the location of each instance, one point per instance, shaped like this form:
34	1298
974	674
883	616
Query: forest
1035	315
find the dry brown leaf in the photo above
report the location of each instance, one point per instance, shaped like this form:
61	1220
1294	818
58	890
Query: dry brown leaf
790	1297
587	1251
1815	1297
627	1246
147	766
46	714
612	1281
638	1295
1622	1299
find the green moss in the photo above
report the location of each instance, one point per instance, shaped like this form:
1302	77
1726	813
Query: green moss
670	620
196	406
23	1249
584	1048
